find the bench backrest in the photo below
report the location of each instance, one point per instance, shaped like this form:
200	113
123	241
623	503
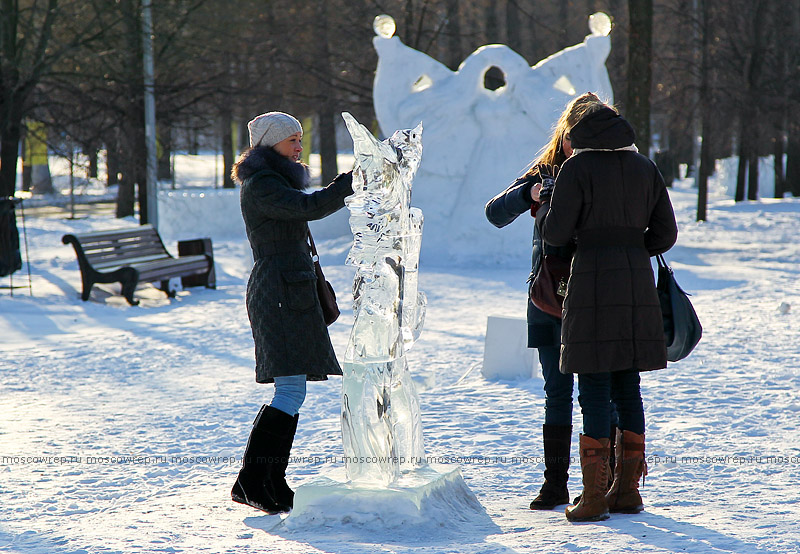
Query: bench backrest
110	248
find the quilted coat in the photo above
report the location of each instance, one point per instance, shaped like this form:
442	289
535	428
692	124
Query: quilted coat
290	335
613	201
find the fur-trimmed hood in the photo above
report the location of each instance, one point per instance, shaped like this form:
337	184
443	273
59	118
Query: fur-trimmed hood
255	159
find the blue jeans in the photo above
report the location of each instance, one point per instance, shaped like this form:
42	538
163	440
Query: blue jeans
557	388
290	392
595	390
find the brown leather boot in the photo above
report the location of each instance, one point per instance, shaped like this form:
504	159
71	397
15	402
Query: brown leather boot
611	461
624	497
594	465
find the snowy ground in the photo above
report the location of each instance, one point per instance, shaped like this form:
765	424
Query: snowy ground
120	426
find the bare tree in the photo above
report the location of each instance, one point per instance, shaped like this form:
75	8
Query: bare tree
640	71
30	45
707	110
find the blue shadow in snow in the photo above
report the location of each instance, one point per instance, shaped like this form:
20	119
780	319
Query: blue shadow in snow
677	536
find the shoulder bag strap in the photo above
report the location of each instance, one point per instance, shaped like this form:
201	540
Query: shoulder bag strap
314	255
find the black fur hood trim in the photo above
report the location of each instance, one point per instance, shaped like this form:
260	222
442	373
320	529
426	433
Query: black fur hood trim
255	159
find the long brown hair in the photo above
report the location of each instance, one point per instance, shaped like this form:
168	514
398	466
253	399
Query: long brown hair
553	153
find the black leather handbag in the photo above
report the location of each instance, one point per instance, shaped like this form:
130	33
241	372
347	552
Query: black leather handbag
327	298
549	286
682	329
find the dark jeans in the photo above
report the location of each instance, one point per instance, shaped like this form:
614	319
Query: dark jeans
622	387
557	388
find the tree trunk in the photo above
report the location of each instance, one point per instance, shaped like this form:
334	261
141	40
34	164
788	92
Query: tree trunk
133	152
9	150
792	183
112	164
640	46
133	164
26	166
164	152
563	24
741	174
706	161
782	22
454	54
126	191
777	155
327	112
244	136
491	23
226	134
513	26
752	176
91	153
327	144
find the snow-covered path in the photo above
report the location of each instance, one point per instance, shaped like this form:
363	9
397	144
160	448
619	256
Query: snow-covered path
121	428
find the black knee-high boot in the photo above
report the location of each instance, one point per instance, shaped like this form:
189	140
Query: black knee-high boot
283	494
557	439
262	480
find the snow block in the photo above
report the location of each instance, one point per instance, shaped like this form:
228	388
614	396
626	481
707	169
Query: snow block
214	213
433	495
505	352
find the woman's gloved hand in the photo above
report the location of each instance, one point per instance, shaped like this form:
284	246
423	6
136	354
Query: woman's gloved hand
548	174
344	177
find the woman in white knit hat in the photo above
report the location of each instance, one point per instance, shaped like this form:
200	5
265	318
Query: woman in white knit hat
292	344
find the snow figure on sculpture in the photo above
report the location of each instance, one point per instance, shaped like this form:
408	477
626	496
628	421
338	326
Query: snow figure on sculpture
381	428
479	137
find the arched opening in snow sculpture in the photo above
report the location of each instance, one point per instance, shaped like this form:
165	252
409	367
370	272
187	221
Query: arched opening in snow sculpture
494	78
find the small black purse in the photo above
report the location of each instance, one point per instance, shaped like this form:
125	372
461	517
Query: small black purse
682	329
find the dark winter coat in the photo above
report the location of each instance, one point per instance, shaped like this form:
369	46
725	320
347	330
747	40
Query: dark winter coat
616	205
543	329
285	315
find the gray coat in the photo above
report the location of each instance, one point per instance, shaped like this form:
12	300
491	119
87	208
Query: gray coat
290	335
616	205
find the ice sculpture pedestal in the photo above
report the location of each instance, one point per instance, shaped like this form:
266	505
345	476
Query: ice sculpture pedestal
424	495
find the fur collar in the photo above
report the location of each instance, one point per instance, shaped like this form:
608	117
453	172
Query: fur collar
631	148
255	159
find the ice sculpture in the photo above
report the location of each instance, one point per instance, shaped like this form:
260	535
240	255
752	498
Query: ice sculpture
381	428
386	481
478	140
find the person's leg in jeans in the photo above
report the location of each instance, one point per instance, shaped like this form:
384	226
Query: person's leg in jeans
623	496
290	393
556	431
594	395
626	394
557	388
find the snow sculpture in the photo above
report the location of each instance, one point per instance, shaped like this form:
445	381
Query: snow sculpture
478	140
381	428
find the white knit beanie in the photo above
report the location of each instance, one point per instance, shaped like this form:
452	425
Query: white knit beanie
268	129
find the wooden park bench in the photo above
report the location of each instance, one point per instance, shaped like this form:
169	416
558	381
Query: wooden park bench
137	255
